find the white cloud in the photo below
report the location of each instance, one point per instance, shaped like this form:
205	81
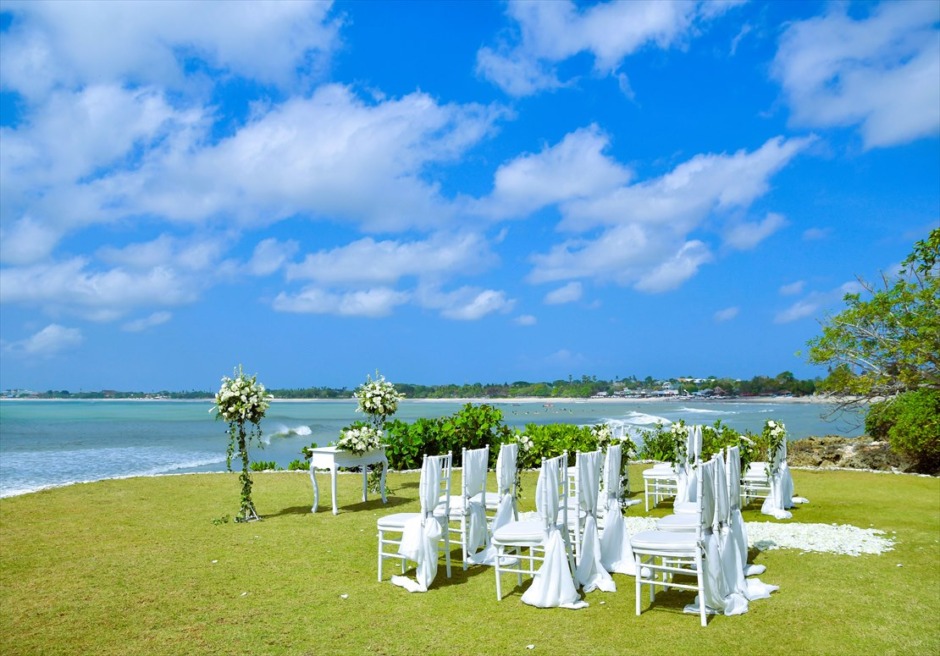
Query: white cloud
566	294
525	320
368	261
646	228
270	255
140	325
314	156
747	235
53	44
100	295
376	302
727	314
466	303
574	168
793	288
26	241
49	341
675	270
880	72
552	32
816	304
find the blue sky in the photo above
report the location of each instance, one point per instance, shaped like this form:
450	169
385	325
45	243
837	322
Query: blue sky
450	192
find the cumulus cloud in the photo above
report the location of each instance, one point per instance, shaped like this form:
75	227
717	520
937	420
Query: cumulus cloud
525	320
880	72
102	295
54	44
576	167
465	303
641	234
747	235
368	261
566	294
551	32
50	341
270	255
375	302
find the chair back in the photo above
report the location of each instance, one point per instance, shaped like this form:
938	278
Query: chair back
733	472
473	480
434	487
611	477
587	481
706	497
506	468
551	492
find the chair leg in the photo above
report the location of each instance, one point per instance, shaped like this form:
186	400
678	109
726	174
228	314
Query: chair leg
380	555
701	588
464	538
499	555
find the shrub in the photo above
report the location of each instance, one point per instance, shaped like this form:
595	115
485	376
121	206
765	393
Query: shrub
911	423
299	465
658	444
264	465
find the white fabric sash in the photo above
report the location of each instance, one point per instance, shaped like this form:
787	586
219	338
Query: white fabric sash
421	534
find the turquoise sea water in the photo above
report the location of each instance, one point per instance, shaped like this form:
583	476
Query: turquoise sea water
51	443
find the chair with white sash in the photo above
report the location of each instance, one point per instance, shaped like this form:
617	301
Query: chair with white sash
419	534
616	554
665	554
467	510
506	485
544	540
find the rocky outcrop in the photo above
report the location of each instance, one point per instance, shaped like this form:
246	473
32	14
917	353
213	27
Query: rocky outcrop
846	452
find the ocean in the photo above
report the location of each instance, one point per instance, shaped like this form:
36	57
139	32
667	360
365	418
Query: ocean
53	443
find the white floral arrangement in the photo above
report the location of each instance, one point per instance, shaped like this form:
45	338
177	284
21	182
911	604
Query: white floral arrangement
359	439
776	434
603	434
378	397
241	399
680	437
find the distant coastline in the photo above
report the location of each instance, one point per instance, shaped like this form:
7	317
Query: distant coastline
814	399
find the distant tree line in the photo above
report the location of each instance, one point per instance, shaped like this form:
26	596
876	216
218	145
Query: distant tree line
784	383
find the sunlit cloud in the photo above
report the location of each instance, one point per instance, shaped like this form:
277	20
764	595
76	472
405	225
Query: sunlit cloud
880	72
50	341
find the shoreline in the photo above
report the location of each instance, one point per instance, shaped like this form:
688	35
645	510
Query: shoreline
521	400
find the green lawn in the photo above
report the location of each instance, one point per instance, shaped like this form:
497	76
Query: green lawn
137	566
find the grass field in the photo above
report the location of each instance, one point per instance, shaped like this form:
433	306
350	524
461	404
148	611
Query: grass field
138	566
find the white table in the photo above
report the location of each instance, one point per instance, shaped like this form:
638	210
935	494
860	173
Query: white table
332	458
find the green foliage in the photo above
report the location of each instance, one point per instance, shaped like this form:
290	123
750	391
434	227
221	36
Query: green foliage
658	444
550	440
889	342
300	465
911	423
717	437
265	465
471	427
406	444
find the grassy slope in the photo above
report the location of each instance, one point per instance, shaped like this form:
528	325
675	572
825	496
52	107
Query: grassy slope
137	566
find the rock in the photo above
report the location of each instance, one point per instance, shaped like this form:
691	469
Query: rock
848	452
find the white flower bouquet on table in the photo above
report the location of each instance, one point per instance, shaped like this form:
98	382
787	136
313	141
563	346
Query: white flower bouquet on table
359	438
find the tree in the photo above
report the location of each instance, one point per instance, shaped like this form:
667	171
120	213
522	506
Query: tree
888	343
884	352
